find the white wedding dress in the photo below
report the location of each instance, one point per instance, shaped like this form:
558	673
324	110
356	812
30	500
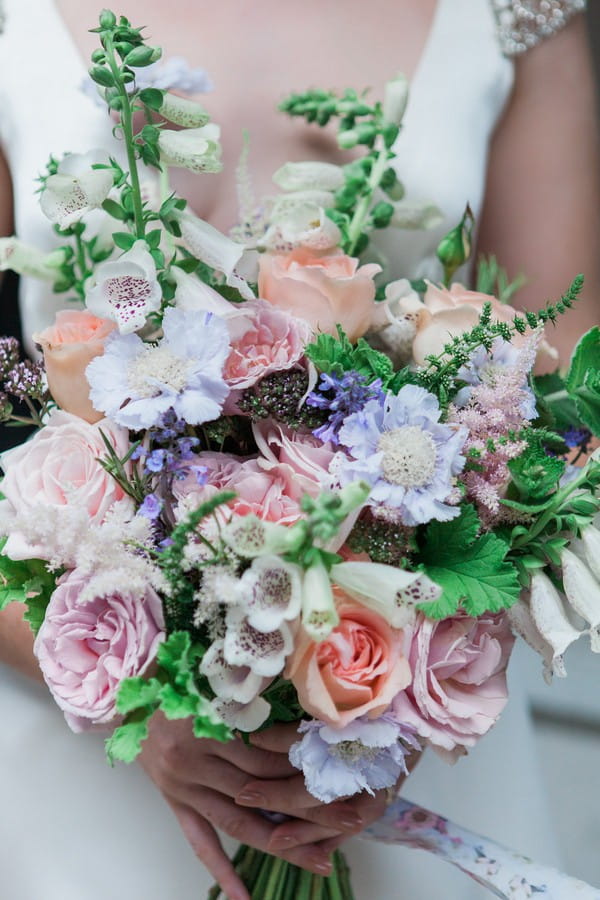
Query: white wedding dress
71	828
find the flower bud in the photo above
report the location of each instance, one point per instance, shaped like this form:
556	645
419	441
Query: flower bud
347	139
319	615
102	76
142	56
382	214
455	248
107	19
395	98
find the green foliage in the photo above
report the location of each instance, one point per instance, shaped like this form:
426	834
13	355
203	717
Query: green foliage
471	569
339	355
173	690
555	406
493	279
29	582
583	379
534	473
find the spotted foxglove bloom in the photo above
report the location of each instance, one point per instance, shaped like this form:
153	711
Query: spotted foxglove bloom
126	289
551	619
306	225
76	188
583	592
309	176
246	717
196	149
251	537
27	260
237	683
398	446
393	593
366	755
319	615
182	111
521	622
264	653
135	383
271	592
214	249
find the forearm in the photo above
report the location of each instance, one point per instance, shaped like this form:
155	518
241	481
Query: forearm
16	642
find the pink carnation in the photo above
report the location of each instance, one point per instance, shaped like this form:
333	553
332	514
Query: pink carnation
86	649
459	680
264	339
59	468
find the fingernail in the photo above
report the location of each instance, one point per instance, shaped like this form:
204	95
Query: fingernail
351	821
250	798
323	866
281	841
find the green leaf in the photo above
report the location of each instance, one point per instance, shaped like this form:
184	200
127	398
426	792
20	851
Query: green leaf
534	473
115	210
125	743
26	581
217	730
339	355
583	379
152	97
124	240
472	571
137	692
176	705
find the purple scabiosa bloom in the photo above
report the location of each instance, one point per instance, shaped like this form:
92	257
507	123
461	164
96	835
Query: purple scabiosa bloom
398	446
341	396
484	367
135	383
366	755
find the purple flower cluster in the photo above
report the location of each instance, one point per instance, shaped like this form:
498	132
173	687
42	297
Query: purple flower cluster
342	396
9	355
26	380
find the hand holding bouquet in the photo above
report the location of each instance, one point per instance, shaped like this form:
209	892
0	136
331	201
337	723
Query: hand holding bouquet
269	487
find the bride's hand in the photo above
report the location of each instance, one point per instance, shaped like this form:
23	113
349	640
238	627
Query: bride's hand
312	821
200	780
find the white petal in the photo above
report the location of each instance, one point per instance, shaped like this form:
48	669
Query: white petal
395	98
392	592
319	615
521	622
25	260
416	216
184	112
196	149
263	653
194	295
243	717
275	592
310	175
590	538
549	615
214	249
126	289
306	225
66	198
250	537
583	593
229	682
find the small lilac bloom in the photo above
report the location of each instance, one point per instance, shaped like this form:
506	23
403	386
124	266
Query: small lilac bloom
366	755
151	507
135	383
342	396
399	447
155	461
577	437
482	368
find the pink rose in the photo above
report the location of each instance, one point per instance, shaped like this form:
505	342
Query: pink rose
85	650
325	290
69	346
307	456
459	680
264	339
357	670
58	467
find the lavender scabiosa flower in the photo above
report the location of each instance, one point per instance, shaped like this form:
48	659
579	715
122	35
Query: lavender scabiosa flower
399	447
135	383
366	755
9	355
26	380
341	396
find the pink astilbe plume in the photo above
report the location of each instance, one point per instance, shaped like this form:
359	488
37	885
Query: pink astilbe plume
494	416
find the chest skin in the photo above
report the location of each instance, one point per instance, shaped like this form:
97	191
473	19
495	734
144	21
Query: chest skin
256	52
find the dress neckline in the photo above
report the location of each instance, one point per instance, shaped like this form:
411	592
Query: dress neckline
417	75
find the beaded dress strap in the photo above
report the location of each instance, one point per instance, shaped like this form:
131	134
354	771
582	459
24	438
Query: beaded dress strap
524	23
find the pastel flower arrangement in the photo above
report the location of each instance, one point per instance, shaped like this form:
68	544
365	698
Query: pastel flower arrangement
295	487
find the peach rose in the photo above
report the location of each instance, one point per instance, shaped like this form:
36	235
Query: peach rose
357	670
69	345
325	290
451	312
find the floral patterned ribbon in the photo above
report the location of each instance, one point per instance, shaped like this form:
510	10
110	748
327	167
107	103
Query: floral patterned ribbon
503	872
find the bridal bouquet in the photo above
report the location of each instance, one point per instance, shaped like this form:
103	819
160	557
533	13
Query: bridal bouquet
267	485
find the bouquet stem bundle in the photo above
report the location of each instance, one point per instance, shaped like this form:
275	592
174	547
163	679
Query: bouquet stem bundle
269	878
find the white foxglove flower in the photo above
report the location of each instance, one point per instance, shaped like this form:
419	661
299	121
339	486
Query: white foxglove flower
246	717
319	615
184	112
583	593
126	289
304	225
284	204
551	619
393	593
249	536
76	188
214	249
416	216
395	98
262	652
26	260
590	539
196	149
193	295
521	622
309	176
229	682
271	592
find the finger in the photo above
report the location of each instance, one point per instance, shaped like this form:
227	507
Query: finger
278	738
286	795
296	833
206	845
253	829
254	760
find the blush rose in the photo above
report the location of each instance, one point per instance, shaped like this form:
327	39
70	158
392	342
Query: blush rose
59	467
85	650
356	671
69	345
324	289
459	680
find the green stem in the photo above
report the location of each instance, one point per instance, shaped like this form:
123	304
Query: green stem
556	395
362	209
81	262
559	498
127	128
304	886
165	193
